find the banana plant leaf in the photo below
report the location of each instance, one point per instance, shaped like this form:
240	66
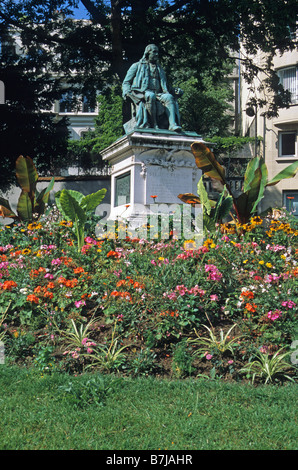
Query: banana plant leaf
42	198
206	161
91	201
24	207
75	194
203	195
247	202
253	165
190	198
26	174
5	209
223	207
71	208
288	172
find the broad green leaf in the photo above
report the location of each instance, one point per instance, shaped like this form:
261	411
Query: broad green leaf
75	194
257	179
189	198
253	165
245	204
5	209
206	161
43	197
24	207
71	208
223	207
26	174
208	224
91	201
288	172
203	195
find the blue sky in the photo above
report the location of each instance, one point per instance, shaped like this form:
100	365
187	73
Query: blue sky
80	13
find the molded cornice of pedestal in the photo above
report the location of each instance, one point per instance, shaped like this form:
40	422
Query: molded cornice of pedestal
150	138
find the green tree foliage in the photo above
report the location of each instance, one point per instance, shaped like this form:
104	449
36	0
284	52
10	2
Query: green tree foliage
108	124
205	109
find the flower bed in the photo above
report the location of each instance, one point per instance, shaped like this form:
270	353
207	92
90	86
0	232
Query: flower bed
143	306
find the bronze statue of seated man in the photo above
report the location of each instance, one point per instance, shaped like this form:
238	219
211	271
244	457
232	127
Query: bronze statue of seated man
153	105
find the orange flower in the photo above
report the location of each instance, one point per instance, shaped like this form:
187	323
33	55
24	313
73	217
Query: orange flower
8	285
251	307
71	283
78	270
48	295
120	283
137	285
15	253
114	254
248	294
32	298
50	285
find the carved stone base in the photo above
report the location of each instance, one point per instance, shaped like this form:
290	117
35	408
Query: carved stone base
149	163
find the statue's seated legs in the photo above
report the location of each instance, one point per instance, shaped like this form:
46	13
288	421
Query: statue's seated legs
157	111
171	110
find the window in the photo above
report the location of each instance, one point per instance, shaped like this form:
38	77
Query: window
288	144
66	103
69	103
122	189
86	107
289	79
290	201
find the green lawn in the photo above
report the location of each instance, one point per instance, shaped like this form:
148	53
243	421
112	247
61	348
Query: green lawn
61	412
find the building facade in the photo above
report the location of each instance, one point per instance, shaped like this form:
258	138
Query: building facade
279	145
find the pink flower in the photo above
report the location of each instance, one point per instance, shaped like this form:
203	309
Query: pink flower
208	356
288	304
90	240
214	274
79	303
214	297
274	315
56	261
49	276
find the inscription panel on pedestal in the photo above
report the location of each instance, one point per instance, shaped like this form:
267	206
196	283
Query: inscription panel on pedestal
166	183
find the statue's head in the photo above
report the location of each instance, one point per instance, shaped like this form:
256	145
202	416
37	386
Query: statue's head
151	53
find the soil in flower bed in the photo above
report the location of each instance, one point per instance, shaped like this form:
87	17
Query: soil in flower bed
160	360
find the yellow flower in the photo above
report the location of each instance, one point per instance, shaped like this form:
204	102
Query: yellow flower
269	265
34	226
257	220
66	223
208	242
245	261
261	262
26	251
189	245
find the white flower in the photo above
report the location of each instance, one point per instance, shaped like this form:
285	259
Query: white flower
24	290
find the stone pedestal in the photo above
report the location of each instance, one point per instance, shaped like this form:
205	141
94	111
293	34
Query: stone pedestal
150	163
